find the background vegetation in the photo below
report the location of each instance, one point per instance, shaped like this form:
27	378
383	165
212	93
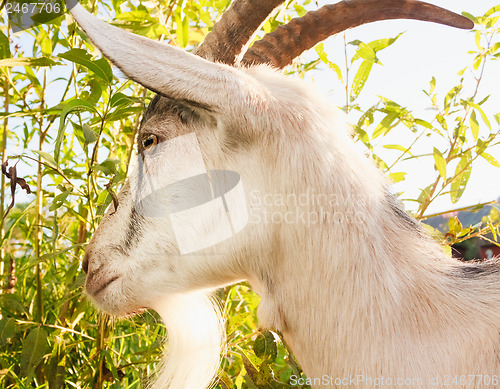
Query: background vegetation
69	124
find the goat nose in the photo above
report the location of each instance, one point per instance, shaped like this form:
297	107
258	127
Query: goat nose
85	263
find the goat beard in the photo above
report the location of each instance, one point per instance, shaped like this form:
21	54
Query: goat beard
196	336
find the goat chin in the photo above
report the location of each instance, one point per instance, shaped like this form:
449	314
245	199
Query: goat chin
196	336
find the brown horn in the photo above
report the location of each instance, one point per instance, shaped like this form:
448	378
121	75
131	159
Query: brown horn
235	28
287	42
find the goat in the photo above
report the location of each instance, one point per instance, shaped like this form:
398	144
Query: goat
361	291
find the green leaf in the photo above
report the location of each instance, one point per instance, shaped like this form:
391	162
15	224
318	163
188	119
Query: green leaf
265	346
360	79
386	124
120	99
236	321
110	364
100	67
7	330
462	175
470	16
452	94
47	158
224	380
251	362
95	92
454	226
440	163
367	53
396	147
12	303
433	84
89	134
4	46
59	200
477	39
20	61
57	366
425	194
381	44
34	347
490	159
474	125
71	106
491	11
397	176
182	30
322	55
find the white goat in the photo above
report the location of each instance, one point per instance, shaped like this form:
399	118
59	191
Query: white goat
360	292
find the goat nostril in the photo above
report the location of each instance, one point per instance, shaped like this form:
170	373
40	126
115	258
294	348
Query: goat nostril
85	263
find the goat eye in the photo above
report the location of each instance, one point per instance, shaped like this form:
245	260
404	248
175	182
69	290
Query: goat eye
149	142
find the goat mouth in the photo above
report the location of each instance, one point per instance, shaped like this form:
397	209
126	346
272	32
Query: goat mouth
105	285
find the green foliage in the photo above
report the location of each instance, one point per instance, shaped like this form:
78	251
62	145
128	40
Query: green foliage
72	124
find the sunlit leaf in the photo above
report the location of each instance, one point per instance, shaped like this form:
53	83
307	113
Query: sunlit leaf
474	125
462	175
396	147
322	55
100	67
440	163
397	176
386	124
490	159
182	30
454	226
360	79
19	61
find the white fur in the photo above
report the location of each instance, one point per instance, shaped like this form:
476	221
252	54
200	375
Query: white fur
355	287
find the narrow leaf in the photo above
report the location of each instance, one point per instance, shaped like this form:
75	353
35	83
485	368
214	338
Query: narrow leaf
47	158
386	124
20	61
4	46
490	159
397	176
71	106
474	125
396	147
462	175
440	163
360	79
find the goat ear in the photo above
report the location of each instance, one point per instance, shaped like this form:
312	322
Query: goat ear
159	67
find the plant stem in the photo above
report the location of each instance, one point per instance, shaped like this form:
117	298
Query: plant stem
38	316
2	183
346	76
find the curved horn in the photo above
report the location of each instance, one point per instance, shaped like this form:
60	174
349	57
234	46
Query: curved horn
234	30
289	41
